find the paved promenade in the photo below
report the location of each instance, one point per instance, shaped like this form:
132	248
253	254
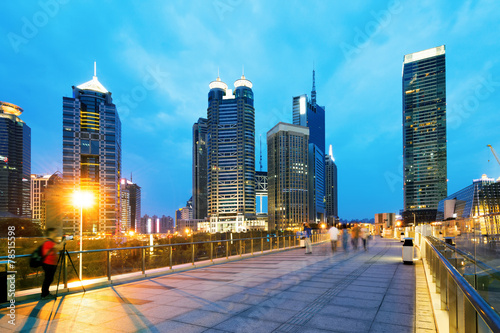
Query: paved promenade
280	292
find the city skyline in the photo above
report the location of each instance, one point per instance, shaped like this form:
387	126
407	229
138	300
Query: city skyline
359	83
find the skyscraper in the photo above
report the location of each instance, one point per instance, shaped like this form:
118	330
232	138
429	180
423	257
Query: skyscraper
92	155
130	205
15	162
309	114
331	189
134	191
126	217
288	191
200	171
231	157
424	133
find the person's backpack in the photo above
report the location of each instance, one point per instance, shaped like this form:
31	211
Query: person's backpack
36	258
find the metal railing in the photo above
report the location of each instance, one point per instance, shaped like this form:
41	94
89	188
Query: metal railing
140	259
468	311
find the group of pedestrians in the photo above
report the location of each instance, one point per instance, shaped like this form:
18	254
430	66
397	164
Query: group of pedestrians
354	235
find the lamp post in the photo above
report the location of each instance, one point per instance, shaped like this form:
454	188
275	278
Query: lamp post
81	199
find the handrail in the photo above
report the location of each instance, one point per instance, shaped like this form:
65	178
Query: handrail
467	255
158	245
490	317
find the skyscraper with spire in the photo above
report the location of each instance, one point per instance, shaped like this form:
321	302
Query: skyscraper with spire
231	155
92	156
309	114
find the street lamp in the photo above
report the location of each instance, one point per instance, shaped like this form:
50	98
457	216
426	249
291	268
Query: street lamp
82	199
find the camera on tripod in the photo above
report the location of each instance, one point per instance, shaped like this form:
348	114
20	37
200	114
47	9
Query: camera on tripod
68	237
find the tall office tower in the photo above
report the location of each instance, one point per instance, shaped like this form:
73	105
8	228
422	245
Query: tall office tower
424	133
309	114
126	217
38	185
288	191
200	172
15	162
92	156
134	202
41	205
231	158
331	189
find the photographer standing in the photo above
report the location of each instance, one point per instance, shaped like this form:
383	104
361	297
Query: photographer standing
50	251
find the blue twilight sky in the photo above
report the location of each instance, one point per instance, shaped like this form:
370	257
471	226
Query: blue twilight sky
158	57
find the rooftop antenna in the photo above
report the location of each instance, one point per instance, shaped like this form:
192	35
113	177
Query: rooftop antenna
242	71
131	176
218	76
260	143
95	69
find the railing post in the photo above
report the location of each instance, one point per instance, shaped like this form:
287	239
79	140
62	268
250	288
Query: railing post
277	242
470	317
227	250
270	243
192	256
241	249
143	260
443	274
108	264
170	259
452	304
251	245
261	245
211	252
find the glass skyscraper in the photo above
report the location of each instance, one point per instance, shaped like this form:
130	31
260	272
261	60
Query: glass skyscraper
424	133
288	190
309	114
15	162
231	155
92	156
200	171
331	189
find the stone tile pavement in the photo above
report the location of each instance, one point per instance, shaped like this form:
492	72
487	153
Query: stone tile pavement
280	292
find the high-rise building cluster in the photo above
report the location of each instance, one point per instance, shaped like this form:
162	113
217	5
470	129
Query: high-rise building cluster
224	176
228	192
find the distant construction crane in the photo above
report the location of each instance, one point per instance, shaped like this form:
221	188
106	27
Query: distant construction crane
494	153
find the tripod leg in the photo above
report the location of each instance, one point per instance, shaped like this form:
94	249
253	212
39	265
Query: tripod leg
71	261
59	278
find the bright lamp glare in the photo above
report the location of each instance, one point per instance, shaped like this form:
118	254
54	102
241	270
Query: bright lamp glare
82	199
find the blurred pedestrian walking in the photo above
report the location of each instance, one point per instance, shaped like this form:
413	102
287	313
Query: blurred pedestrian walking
345	238
334	236
364	237
355	236
307	240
